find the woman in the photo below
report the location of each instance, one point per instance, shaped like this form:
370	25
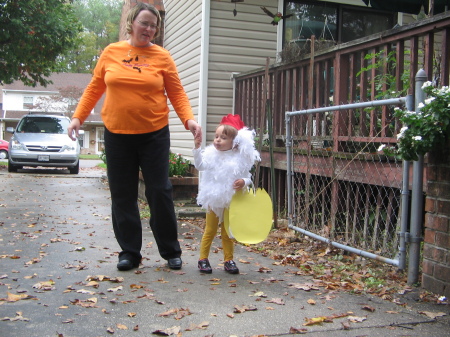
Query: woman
138	77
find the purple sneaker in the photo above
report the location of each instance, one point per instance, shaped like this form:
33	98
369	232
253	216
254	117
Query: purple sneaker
230	267
204	266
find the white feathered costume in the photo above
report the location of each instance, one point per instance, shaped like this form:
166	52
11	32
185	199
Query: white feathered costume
221	168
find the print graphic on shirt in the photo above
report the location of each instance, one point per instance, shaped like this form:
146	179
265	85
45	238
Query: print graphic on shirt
135	57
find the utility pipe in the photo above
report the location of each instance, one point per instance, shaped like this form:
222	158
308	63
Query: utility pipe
417	196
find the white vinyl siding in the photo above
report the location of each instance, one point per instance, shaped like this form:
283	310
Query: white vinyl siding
237	44
182	38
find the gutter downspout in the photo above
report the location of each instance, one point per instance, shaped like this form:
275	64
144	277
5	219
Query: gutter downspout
204	63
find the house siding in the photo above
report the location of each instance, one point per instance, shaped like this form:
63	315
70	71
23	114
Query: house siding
183	41
237	44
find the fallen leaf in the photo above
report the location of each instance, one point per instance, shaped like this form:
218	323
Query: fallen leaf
311	301
14	298
131	314
303	286
356	319
314	320
113	290
293	330
368	308
121	326
259	294
278	301
345	325
432	315
167	332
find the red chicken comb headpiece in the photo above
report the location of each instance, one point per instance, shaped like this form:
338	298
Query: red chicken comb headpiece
233	120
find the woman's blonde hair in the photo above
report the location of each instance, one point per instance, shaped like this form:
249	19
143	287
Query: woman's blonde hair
134	12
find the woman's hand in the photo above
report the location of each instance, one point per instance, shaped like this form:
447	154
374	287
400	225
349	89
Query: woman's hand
74	127
238	184
196	130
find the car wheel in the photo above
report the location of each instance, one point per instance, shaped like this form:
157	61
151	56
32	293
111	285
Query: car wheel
3	154
75	169
11	167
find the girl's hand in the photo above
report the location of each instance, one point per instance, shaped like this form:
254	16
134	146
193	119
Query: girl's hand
238	184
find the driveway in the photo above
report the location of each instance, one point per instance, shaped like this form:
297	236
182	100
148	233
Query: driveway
58	277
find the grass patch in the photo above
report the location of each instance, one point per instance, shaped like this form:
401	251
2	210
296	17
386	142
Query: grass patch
89	156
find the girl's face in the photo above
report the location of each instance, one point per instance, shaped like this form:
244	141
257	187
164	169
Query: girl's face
222	142
143	29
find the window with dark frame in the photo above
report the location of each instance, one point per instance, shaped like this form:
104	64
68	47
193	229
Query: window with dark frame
332	21
28	102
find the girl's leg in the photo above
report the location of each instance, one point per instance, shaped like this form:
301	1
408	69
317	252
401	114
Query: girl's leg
227	245
212	224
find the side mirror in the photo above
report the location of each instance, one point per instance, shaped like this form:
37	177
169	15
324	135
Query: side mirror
10	129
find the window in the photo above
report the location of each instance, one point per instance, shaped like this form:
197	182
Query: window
332	21
28	102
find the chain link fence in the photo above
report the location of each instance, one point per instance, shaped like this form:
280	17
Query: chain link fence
342	188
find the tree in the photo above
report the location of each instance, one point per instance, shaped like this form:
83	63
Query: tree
65	101
33	34
101	23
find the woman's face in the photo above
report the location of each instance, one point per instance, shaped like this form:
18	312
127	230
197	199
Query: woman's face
143	29
222	142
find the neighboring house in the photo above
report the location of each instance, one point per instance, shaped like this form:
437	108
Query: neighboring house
18	100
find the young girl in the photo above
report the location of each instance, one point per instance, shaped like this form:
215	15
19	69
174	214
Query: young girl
225	167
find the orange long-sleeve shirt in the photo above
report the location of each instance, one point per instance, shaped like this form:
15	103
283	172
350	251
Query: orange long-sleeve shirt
137	82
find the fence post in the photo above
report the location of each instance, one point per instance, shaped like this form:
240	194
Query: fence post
417	196
288	168
405	202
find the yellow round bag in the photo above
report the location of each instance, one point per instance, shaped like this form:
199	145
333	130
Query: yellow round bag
249	217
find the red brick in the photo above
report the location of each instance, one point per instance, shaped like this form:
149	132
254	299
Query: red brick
443	207
442	240
430	205
429	236
441	272
428	267
438	189
439	223
434	253
435	286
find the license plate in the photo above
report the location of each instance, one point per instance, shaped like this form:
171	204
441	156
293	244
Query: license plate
43	158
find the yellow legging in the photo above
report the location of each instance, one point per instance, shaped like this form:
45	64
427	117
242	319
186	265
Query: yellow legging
212	225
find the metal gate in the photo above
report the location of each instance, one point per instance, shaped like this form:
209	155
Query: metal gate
356	198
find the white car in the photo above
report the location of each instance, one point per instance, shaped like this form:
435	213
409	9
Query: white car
42	140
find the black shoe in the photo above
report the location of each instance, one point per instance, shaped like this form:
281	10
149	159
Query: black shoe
175	263
230	267
124	265
204	266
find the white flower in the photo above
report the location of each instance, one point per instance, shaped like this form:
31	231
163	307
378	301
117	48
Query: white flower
420	105
429	100
397	108
382	146
417	137
427	84
402	131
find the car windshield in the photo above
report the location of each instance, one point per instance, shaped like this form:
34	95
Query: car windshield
43	125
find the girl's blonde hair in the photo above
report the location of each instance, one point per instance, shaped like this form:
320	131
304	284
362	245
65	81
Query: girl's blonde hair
134	12
229	130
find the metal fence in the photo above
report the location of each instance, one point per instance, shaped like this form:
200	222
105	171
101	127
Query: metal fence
350	199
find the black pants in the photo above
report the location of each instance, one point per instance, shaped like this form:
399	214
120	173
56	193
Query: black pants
125	154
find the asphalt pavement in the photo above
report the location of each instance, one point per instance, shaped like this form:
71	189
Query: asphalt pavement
58	277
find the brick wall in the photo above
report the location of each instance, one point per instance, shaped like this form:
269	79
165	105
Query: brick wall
436	257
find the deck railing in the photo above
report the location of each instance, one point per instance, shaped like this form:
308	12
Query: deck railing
375	67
